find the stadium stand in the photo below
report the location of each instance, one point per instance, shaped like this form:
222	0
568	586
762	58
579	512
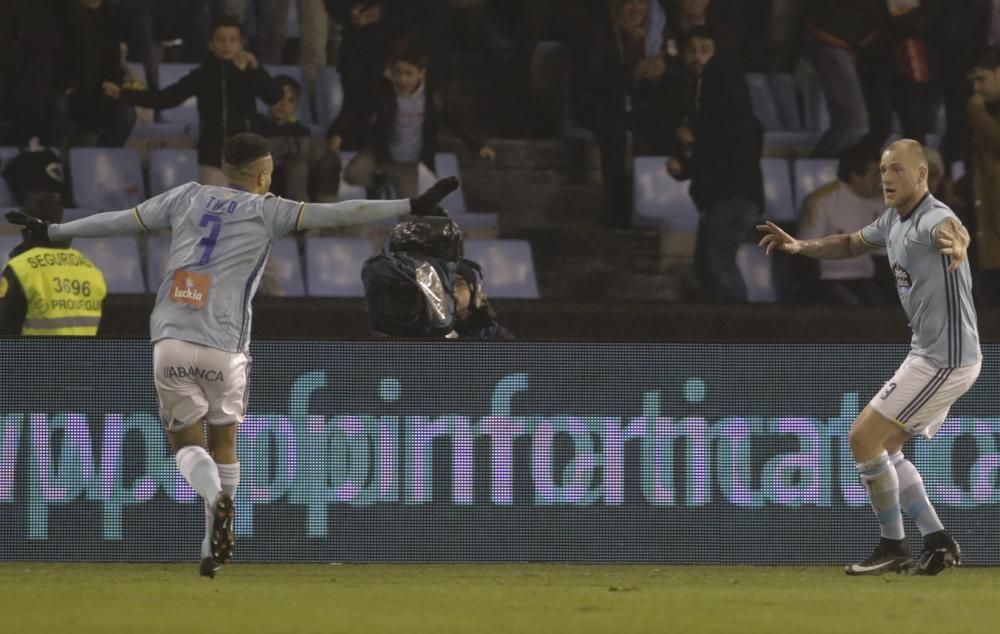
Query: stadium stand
508	267
286	266
660	200
118	258
779	204
6	154
333	266
810	174
106	178
169	168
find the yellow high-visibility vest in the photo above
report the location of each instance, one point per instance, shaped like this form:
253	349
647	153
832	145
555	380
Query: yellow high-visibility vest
64	291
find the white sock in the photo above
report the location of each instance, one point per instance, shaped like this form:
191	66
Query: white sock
229	476
913	497
882	484
199	470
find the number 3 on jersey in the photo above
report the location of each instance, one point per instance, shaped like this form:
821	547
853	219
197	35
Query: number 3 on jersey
214	223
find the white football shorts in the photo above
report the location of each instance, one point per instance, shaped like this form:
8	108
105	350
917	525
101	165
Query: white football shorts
919	396
195	383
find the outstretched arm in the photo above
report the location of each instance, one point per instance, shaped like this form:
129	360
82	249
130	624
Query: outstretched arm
953	239
835	247
357	212
109	223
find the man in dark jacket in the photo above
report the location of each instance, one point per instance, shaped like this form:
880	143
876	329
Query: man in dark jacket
399	124
226	86
719	149
91	56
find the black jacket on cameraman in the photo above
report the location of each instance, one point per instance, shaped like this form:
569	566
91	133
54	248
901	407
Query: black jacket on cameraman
369	124
226	102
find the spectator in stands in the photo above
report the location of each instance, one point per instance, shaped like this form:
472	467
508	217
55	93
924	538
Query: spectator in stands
270	19
620	78
474	316
289	141
151	22
846	205
36	169
839	32
984	171
958	31
896	75
36	45
226	87
48	288
400	123
91	55
719	149
684	15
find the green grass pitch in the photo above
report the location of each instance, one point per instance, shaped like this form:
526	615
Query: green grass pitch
548	598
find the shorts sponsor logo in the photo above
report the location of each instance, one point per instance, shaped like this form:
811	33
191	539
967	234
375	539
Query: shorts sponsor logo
190	288
182	372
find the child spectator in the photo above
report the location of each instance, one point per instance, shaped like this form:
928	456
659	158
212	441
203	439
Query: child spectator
226	87
289	141
400	122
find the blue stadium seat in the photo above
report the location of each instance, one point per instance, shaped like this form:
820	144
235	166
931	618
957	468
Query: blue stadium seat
295	72
778	201
811	174
6	154
755	266
169	168
763	102
118	259
475	220
333	266
447	165
286	265
106	178
349	192
957	170
508	267
7	242
187	112
329	95
785	93
816	110
75	213
659	199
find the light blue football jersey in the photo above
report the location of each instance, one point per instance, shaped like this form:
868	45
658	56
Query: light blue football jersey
938	303
220	240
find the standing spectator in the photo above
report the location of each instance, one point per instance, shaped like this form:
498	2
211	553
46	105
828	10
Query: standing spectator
314	33
38	32
851	202
61	297
719	149
270	19
226	86
400	124
621	94
92	56
838	33
959	30
152	21
984	171
364	47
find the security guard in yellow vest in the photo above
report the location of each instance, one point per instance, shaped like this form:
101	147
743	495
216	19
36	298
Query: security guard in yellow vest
48	288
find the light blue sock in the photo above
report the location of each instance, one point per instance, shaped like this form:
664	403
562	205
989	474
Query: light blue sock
880	480
913	497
